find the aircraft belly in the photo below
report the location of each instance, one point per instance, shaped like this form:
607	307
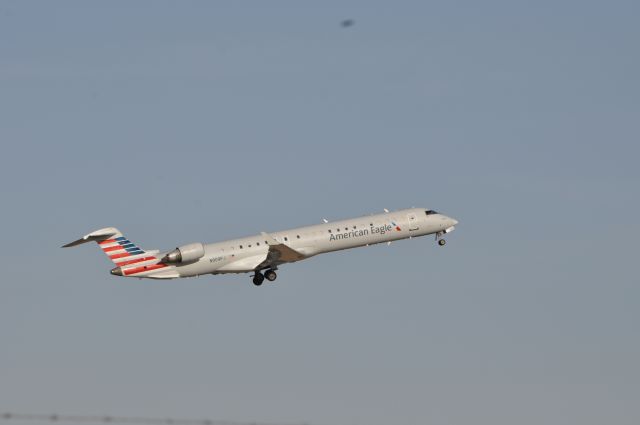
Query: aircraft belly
169	274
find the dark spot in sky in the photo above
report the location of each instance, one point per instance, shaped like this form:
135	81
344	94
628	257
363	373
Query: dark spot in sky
347	23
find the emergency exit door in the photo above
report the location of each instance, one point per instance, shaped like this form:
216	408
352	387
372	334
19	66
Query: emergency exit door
413	222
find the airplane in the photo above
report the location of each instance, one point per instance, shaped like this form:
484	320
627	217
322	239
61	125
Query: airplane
262	254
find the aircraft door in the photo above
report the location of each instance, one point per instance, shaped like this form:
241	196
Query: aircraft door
413	222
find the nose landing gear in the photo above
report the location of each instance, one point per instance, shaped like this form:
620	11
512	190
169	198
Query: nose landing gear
441	242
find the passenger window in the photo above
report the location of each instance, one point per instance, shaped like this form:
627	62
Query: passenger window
286	238
298	236
249	246
257	243
240	246
329	230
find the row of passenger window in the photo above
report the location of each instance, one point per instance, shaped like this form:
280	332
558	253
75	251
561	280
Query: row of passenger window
346	229
267	243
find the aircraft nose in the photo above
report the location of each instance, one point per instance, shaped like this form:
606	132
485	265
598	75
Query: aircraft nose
449	221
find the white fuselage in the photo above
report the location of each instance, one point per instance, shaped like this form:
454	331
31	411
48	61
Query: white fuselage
244	254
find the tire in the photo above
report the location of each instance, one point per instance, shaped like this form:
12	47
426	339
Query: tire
442	242
270	275
258	279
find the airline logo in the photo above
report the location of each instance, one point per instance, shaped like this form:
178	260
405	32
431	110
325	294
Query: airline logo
129	256
123	252
119	248
373	230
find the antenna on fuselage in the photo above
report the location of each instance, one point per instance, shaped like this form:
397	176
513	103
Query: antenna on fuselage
386	210
325	220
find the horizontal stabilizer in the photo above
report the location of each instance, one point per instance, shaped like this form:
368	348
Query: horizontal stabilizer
97	236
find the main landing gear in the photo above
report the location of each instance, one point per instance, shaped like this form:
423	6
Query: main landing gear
258	278
270	275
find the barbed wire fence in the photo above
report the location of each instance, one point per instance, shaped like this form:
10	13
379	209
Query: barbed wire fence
128	420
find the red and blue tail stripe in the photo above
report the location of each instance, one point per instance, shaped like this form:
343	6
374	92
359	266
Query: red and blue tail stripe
130	259
130	247
121	250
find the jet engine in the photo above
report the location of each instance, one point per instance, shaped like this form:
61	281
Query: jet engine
185	254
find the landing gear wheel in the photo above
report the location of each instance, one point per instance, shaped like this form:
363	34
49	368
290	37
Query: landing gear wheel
442	242
258	278
270	275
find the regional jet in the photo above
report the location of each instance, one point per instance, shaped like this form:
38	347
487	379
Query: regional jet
262	254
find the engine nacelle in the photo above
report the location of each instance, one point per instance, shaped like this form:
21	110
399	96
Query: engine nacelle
185	254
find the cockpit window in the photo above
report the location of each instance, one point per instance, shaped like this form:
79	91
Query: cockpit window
430	212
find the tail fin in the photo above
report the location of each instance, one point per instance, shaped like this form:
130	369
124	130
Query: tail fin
119	249
130	260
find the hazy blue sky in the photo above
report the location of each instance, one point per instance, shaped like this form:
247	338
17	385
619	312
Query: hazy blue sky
201	121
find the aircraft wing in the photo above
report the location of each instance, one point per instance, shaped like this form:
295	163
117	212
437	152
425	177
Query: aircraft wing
279	253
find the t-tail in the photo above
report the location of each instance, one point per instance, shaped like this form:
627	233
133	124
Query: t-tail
129	258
